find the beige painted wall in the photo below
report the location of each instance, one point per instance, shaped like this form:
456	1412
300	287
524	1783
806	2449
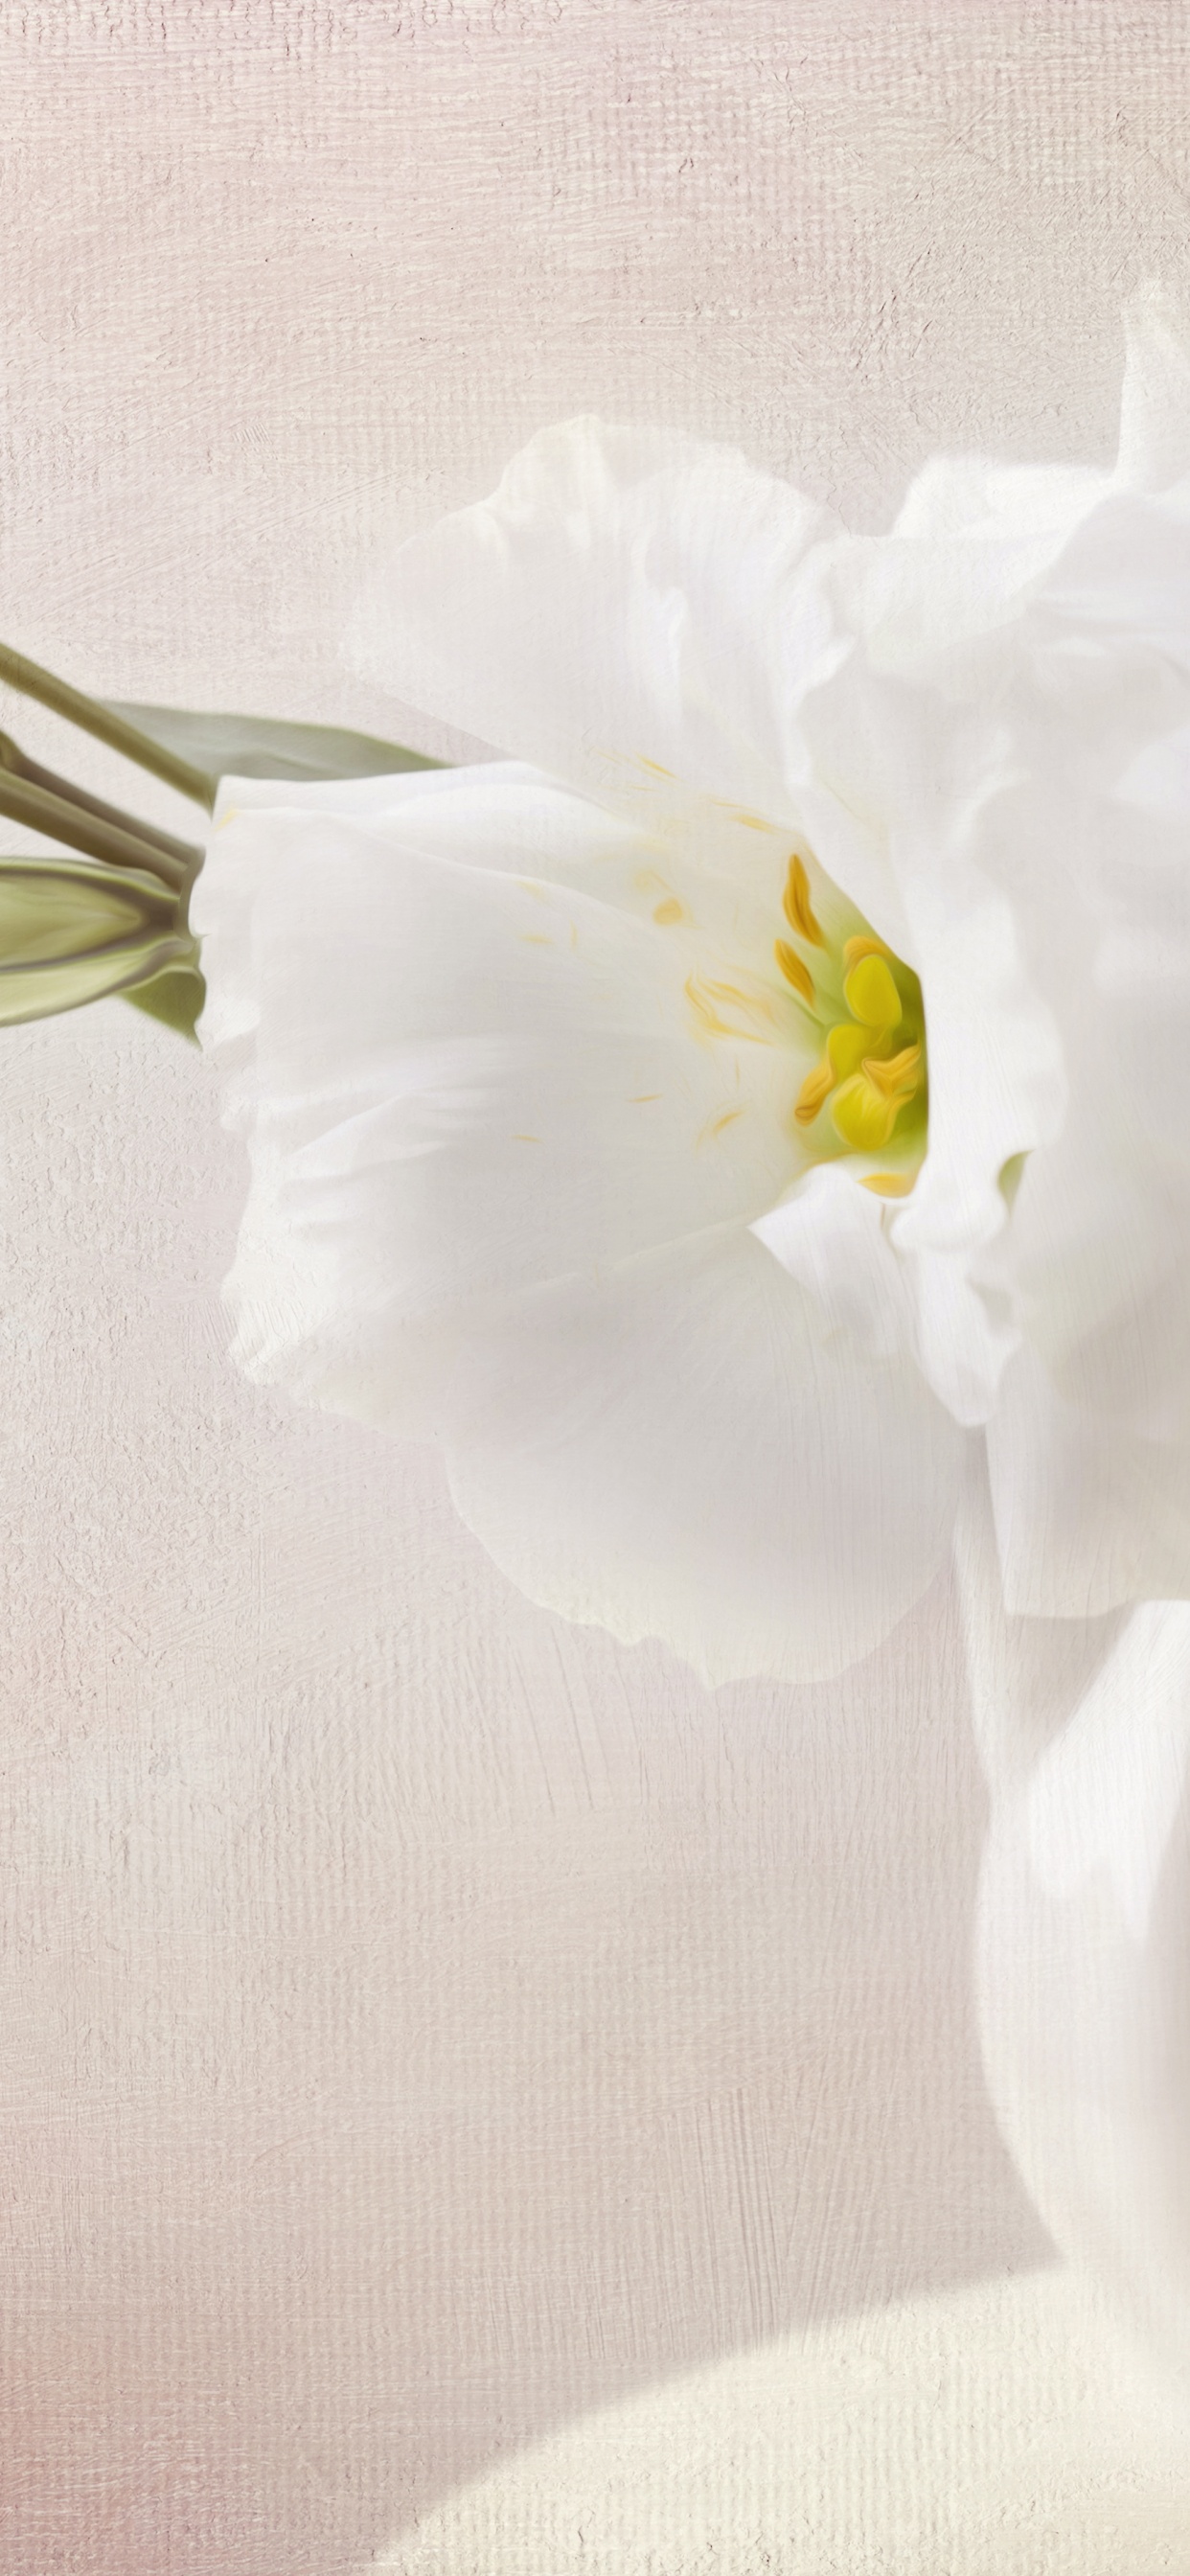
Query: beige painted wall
422	2024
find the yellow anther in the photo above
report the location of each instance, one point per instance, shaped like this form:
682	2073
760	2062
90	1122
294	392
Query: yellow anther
863	1116
866	1109
867	1073
888	1185
813	1092
794	969
870	993
895	1075
799	911
847	1045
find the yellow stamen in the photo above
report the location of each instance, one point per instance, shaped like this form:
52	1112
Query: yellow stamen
813	1092
895	1075
873	1064
847	1046
794	969
863	1116
870	993
799	911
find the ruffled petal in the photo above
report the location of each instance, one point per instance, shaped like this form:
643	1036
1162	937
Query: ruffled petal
997	1074
457	1081
633	611
1031	775
684	1449
1084	1993
976	539
1089	1514
1090	1449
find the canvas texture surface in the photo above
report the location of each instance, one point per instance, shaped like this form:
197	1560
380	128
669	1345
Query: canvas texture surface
460	2077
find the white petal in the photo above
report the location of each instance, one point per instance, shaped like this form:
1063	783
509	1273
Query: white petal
830	1236
975	538
505	815
1026	1673
1089	1514
996	1068
1039	852
1084	1986
970	542
1104	1796
630	608
456	1081
1091	1458
839	1239
684	1450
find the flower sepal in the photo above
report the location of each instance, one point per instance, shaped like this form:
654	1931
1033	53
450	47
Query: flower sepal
72	932
240	746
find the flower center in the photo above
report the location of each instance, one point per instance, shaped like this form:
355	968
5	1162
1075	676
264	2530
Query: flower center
868	1089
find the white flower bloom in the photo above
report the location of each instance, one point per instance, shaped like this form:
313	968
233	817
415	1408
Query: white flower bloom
769	1080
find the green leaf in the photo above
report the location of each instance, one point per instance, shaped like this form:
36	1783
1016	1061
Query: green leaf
176	996
262	747
70	933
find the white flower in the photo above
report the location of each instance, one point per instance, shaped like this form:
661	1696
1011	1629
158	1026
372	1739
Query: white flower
770	1080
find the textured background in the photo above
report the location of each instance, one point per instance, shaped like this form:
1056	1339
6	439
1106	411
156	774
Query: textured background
422	2025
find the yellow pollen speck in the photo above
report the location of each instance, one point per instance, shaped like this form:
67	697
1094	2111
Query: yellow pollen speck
654	766
536	939
715	1126
798	910
518	1139
889	1185
794	969
669	911
636	1097
708	1001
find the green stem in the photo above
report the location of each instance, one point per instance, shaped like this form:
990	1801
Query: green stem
32	682
185	855
62	820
